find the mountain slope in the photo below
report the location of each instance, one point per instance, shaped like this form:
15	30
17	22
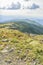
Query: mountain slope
17	48
29	27
24	26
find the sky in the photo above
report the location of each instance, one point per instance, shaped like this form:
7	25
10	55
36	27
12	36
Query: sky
28	8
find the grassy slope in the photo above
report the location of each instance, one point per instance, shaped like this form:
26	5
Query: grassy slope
25	27
27	49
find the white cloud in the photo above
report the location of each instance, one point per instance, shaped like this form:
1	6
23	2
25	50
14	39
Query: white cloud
9	4
13	6
23	4
16	4
33	6
26	0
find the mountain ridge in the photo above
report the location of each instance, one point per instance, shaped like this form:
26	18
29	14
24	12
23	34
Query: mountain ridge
24	26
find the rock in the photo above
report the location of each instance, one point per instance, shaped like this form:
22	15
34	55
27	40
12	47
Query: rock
33	35
4	51
33	63
10	50
5	40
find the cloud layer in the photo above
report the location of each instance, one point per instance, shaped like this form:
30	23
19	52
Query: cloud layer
15	5
22	7
33	6
26	0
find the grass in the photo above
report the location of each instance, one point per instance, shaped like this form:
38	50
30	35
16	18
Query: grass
27	48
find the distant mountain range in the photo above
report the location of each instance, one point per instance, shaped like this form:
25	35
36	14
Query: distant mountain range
26	26
17	18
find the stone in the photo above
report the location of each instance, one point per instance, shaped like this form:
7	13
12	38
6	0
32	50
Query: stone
10	50
5	40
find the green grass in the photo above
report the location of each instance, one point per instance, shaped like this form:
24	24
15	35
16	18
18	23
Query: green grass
27	48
